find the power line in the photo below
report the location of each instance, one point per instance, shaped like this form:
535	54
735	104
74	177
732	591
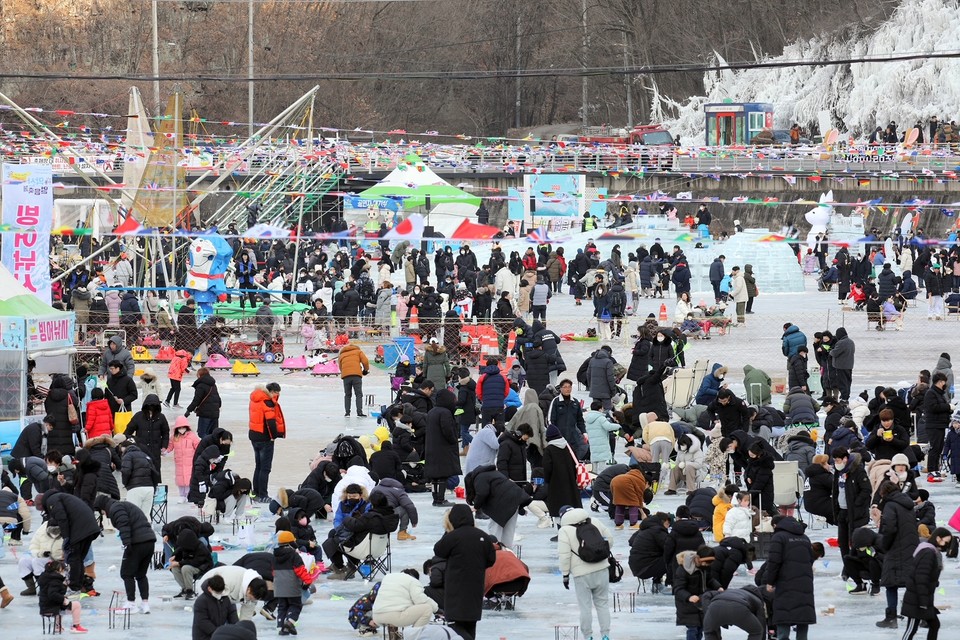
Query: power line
492	74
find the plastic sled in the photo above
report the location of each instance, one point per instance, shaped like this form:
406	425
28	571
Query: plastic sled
197	358
298	363
244	369
165	354
141	354
217	361
328	368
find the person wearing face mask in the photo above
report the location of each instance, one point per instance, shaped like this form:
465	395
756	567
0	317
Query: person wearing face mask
212	609
851	495
905	477
922	584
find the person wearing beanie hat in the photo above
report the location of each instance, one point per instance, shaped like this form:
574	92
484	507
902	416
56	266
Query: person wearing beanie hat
553	432
242	630
286	537
290	578
901	473
466	411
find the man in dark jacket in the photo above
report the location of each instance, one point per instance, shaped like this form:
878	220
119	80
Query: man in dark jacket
512	454
138	541
716	276
32	441
78	528
468	552
647	549
798	371
566	413
206	403
692	578
936	412
150	429
841	363
140	477
116	351
603	384
442	453
684	535
121	389
499	498
379	520
851	495
744	608
190	560
730	411
539	364
889	438
789	575
492	391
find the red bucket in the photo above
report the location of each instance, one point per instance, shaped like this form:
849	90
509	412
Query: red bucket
460	492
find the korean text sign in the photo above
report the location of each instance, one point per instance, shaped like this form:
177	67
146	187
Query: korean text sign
28	208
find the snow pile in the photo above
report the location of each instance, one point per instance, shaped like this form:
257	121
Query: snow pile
859	96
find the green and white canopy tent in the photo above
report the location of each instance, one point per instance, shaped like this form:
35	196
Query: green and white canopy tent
28	328
416	188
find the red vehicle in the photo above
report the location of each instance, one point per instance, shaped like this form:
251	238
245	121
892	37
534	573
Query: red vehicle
648	134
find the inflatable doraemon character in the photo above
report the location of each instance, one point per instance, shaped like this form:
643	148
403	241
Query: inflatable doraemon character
819	218
209	257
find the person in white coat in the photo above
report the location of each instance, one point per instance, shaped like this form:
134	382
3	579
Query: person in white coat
401	602
688	463
354	475
591	580
244	587
739	520
45	545
738	291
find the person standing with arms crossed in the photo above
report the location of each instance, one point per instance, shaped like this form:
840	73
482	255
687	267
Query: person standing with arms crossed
353	364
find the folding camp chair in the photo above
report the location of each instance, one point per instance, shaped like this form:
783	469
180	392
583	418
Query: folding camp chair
369	557
787	486
158	512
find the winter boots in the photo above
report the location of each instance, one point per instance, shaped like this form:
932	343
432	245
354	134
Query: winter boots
404	535
5	597
31	589
889	620
439	495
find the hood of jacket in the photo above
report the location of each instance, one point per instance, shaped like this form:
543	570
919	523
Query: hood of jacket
688	560
944	363
864	537
99	441
117	340
791	525
530	396
902	499
259	395
686	528
651	522
446	399
748	269
799	439
841	333
601	354
461	516
490	370
187	540
151	401
574	516
791	329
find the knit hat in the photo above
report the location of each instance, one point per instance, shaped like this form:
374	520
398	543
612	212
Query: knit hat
285	537
553	432
899	459
945	355
956	416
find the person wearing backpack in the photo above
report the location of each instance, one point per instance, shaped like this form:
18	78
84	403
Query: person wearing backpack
584	548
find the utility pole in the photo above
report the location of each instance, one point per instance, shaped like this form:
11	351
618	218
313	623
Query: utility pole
516	107
626	82
585	45
250	65
156	63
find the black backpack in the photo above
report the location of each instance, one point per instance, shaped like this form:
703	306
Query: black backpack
591	545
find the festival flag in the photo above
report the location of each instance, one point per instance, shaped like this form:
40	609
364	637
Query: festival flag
129	227
473	231
540	236
409	229
863	182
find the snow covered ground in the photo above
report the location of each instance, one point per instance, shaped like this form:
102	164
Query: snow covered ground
859	96
313	409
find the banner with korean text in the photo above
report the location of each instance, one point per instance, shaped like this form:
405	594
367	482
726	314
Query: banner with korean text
28	204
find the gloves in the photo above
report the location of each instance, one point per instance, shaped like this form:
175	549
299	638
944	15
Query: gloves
458	412
366	372
186	415
566	582
521	511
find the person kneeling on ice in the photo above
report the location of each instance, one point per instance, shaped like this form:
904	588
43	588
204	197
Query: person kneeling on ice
228	495
401	602
244	587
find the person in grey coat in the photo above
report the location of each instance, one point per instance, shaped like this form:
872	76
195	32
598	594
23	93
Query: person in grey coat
539	298
603	384
841	361
116	351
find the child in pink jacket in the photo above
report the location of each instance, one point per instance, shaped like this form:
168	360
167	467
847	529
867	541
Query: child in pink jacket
183	445
179	364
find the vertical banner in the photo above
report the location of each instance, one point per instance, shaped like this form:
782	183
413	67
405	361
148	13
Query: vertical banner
28	207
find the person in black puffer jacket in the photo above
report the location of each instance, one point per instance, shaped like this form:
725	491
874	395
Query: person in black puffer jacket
922	583
731	553
700	503
539	363
150	429
323	480
53	595
386	462
899	540
818	498
206	403
61	394
138	540
171	532
379	520
512	454
190	560
78	527
684	536
85	481
103	450
204	466
647	547
491	492
759	476
121	389
139	475
242	630
213	609
306	537
789	569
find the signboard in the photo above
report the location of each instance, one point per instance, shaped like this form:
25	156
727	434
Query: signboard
54	332
554	202
28	204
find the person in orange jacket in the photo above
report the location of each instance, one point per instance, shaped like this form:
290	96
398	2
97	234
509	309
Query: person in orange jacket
266	426
353	365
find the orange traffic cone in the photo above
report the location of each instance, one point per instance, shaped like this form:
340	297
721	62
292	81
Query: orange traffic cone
414	319
663	312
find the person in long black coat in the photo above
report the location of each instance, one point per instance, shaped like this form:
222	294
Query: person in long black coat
442	450
640	356
646	549
468	552
538	366
922	584
559	473
150	429
692	577
648	395
78	528
899	539
491	492
684	535
55	405
137	538
731	553
789	575
759	476
103	449
818	496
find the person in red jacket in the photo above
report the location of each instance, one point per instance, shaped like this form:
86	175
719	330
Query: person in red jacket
266	426
99	417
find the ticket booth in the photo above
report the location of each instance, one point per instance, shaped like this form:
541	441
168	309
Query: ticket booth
736	123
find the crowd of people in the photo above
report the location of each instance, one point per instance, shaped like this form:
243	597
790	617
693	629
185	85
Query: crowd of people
515	440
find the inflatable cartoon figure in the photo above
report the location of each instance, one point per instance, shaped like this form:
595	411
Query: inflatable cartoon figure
819	218
210	256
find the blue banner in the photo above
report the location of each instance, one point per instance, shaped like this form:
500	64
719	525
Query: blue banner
356	202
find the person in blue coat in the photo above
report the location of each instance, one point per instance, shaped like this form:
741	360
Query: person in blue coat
792	340
710	385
